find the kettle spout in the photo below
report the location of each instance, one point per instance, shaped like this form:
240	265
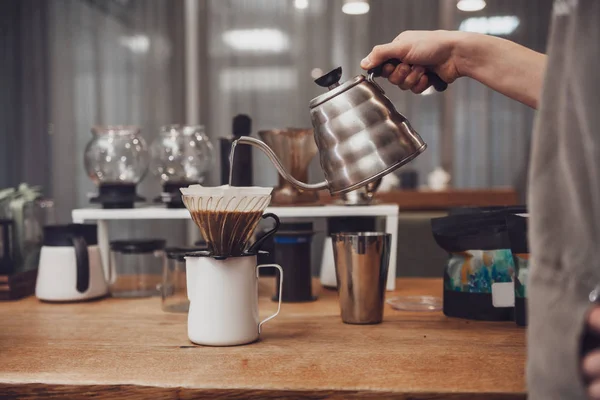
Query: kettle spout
267	150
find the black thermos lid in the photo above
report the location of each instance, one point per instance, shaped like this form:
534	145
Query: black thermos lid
60	235
242	125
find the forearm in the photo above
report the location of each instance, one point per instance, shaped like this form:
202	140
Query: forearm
502	65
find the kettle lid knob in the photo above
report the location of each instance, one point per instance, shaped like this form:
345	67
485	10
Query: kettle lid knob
331	79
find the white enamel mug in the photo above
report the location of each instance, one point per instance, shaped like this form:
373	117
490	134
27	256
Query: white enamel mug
223	298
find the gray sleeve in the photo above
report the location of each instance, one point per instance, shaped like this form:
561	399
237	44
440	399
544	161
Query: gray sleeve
564	200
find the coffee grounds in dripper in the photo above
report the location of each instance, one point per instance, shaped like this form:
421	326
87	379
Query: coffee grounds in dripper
226	215
227	232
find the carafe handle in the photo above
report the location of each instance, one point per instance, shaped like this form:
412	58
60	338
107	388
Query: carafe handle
434	79
280	291
257	245
82	264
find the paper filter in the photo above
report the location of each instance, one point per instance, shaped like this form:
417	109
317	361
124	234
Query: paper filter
226	215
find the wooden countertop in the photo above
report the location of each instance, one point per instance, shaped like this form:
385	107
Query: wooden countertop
426	200
130	349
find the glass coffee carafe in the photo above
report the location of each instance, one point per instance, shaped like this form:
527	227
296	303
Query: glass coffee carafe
116	160
180	156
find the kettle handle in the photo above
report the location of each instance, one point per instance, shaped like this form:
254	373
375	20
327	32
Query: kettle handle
435	80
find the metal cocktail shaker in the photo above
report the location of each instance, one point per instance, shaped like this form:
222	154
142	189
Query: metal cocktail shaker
361	265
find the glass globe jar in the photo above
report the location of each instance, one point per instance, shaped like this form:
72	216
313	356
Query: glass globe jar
180	156
116	160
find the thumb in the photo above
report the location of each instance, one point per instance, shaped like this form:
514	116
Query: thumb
594	319
382	53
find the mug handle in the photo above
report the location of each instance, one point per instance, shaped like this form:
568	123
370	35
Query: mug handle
83	263
434	79
280	290
256	246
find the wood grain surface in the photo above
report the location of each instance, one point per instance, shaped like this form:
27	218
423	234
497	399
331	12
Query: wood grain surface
424	200
130	349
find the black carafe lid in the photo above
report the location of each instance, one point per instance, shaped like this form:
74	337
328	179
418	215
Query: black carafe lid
137	246
179	253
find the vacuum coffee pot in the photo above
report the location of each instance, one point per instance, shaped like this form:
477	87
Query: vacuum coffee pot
360	135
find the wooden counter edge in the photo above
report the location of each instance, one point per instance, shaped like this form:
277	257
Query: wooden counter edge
420	200
133	392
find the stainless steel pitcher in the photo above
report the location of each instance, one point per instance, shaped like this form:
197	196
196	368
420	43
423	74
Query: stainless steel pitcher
362	261
360	135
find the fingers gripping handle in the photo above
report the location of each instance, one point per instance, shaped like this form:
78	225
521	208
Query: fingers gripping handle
591	340
280	291
437	82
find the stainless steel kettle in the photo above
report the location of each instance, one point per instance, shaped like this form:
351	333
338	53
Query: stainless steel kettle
360	135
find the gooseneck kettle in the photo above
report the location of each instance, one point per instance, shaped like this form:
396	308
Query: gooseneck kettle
359	133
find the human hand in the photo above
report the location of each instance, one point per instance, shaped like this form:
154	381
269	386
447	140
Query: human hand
432	49
591	360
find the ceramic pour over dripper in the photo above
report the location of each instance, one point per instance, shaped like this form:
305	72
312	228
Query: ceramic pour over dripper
227	216
295	149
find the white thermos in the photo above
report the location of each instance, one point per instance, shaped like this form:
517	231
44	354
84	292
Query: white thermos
70	266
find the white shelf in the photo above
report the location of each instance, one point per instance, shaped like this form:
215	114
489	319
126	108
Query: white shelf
101	215
153	212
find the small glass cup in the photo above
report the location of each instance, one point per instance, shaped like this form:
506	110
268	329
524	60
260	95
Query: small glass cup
136	267
174	283
173	288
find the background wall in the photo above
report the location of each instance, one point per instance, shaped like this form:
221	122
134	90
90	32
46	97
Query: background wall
71	64
480	136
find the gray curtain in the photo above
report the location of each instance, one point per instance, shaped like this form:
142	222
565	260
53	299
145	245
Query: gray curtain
272	85
24	97
492	132
112	62
70	64
479	135
387	19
